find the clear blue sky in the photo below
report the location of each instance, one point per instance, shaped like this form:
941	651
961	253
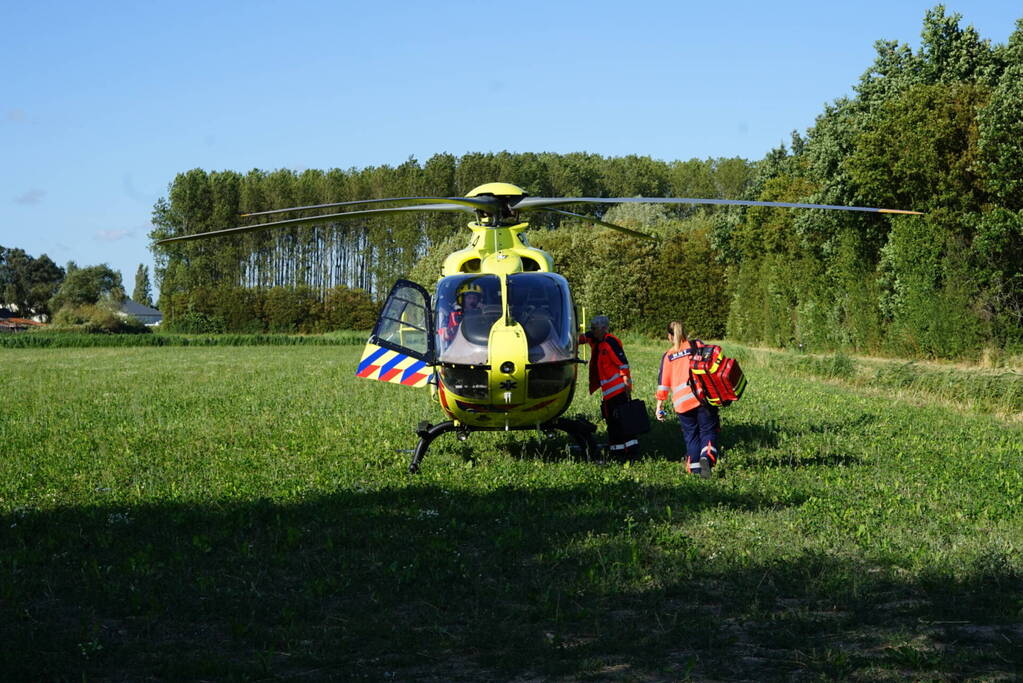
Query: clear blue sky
101	104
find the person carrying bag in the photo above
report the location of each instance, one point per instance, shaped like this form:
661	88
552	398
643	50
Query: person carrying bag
700	422
609	373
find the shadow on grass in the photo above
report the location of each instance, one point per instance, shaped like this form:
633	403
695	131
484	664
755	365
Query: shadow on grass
422	582
665	440
814	447
750	436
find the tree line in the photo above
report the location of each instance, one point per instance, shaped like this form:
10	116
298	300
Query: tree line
28	283
935	130
237	282
86	298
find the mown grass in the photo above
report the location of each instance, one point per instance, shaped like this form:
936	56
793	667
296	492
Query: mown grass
244	512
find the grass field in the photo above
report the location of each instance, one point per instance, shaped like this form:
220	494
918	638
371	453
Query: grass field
244	512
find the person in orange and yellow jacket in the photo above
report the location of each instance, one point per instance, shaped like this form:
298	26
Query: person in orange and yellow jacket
609	372
700	422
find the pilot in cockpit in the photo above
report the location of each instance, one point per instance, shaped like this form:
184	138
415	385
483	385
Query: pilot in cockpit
469	301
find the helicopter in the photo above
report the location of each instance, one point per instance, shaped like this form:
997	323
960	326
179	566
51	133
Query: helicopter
498	342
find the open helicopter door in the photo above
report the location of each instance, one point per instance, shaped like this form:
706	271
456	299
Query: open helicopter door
401	348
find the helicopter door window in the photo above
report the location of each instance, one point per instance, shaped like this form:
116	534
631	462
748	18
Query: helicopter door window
467	307
404	322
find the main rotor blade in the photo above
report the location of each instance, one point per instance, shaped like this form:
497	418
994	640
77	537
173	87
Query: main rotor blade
591	219
328	218
475	203
541	203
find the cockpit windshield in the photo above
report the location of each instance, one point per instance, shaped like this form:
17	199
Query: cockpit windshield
541	304
467	306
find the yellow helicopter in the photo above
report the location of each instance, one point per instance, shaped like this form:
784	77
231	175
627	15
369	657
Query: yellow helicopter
498	342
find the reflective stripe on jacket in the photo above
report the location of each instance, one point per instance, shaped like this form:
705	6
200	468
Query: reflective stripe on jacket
673	379
609	368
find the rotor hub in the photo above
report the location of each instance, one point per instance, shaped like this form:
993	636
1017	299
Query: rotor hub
507	194
502	190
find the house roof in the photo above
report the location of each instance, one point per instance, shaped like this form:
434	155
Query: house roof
19	322
135	308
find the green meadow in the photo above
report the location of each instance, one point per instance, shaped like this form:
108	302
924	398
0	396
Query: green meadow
243	512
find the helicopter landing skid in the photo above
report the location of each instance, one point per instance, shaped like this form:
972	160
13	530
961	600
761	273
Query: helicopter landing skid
582	432
427	433
579	429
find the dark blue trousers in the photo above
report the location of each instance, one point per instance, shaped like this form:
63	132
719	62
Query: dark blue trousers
700	427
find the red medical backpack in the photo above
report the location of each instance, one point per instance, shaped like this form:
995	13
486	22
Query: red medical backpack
718	380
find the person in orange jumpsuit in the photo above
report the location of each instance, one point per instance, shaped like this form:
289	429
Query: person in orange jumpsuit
609	372
700	422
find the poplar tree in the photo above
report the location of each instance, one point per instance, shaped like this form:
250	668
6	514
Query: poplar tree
142	293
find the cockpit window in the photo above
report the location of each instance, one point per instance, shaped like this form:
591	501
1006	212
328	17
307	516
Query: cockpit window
467	307
540	303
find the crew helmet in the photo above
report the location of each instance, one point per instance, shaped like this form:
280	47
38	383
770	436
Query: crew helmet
469	288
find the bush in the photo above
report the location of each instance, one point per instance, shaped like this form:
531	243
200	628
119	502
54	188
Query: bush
194	322
930	290
290	309
239	307
209	310
95	320
344	308
639	285
688	284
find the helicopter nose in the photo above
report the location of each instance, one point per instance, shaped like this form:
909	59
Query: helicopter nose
509	354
